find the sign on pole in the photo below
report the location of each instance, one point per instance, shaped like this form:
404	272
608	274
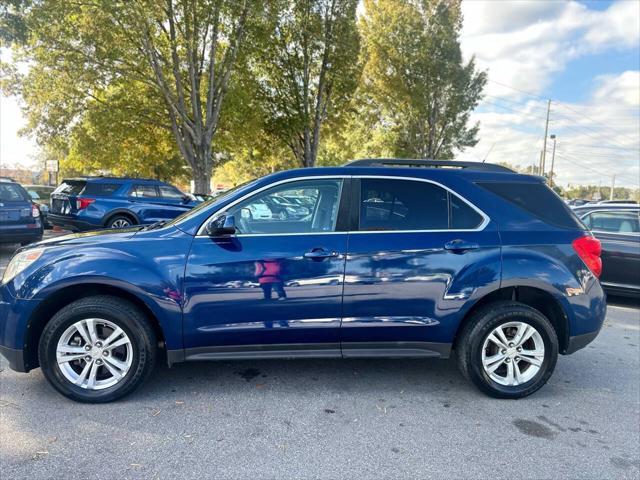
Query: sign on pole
53	166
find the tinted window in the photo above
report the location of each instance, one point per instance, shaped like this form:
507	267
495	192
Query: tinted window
144	191
168	191
10	192
412	205
537	199
463	217
70	187
616	222
100	188
270	212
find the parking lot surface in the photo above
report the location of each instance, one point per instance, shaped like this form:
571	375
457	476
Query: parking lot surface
337	419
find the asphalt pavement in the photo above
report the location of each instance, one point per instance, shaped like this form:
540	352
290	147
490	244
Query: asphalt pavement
337	419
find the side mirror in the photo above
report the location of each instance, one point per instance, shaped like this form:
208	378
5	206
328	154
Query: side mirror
186	199
222	226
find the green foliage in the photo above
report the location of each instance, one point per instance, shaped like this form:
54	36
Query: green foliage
415	76
307	70
177	88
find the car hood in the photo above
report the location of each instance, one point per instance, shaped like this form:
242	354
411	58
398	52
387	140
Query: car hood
93	237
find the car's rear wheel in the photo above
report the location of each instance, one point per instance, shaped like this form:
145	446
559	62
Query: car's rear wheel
97	349
120	221
507	349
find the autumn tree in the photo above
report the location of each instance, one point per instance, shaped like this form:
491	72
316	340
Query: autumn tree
307	70
415	76
181	51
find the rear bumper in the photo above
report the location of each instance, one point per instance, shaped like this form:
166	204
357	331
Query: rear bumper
70	223
26	235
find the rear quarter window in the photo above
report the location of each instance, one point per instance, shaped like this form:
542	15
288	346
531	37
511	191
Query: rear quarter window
104	189
536	199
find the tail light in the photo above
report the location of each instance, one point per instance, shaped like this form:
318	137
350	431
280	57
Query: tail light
35	211
83	203
589	249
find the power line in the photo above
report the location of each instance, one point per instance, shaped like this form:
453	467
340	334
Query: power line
561	105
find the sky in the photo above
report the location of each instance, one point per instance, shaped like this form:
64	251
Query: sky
583	55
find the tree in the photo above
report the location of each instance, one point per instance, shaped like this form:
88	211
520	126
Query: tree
181	51
415	73
308	70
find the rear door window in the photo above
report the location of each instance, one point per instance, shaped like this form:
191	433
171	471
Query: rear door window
538	200
395	205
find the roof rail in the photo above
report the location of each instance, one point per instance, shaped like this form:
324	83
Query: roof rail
407	162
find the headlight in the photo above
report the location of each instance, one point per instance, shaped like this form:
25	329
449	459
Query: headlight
21	261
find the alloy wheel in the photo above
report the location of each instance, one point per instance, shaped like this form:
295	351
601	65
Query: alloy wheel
94	354
512	354
120	223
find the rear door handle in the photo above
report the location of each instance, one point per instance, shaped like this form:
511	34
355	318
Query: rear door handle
459	246
319	254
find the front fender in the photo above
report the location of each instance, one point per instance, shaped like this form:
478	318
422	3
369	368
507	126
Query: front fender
149	269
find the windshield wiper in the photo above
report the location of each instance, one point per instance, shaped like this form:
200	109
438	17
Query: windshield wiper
153	226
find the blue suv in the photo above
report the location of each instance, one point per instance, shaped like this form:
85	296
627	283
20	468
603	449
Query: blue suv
20	217
90	203
393	258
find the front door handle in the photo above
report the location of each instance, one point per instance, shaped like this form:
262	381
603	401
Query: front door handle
459	246
319	254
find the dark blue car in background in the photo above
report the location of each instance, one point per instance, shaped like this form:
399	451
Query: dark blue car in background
471	260
20	218
90	203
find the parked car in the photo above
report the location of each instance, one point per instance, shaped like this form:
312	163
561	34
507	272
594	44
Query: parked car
89	203
20	219
41	195
484	264
617	226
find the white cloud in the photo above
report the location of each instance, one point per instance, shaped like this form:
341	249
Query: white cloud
595	140
523	45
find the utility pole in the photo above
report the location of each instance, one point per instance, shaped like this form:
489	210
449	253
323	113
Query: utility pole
540	164
553	160
546	130
613	184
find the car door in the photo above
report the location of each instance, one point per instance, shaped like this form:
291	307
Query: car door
619	233
275	287
146	203
417	254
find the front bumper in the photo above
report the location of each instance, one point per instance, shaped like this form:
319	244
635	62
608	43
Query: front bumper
14	357
14	318
580	341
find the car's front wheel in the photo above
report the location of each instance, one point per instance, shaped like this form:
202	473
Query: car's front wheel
97	349
508	350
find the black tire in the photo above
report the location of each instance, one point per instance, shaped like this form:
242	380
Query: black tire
114	221
471	340
120	312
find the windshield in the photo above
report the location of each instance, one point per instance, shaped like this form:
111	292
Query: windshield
204	205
